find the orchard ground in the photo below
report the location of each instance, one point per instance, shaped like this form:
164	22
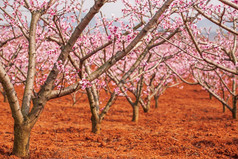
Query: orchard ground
187	124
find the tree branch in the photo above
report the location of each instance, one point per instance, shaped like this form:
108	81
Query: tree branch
120	54
215	21
31	64
229	3
11	95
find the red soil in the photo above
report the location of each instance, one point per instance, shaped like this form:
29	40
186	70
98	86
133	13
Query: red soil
187	124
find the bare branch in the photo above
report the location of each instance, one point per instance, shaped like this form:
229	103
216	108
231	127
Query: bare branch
215	95
10	39
180	77
63	92
68	47
120	54
215	21
223	82
163	41
27	3
200	51
95	51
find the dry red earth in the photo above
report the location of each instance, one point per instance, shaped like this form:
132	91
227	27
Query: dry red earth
187	124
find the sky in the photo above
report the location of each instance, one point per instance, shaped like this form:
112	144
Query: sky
115	7
109	8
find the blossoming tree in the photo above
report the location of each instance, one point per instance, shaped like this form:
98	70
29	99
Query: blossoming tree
52	52
212	63
44	53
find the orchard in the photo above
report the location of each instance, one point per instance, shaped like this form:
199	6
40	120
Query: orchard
52	49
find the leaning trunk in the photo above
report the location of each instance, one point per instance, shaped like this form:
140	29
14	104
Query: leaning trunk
21	140
135	113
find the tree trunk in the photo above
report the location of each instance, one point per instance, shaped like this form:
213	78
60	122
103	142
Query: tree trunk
94	106
234	109
147	106
135	113
156	101
210	96
73	95
234	114
234	98
4	96
21	140
96	125
224	108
